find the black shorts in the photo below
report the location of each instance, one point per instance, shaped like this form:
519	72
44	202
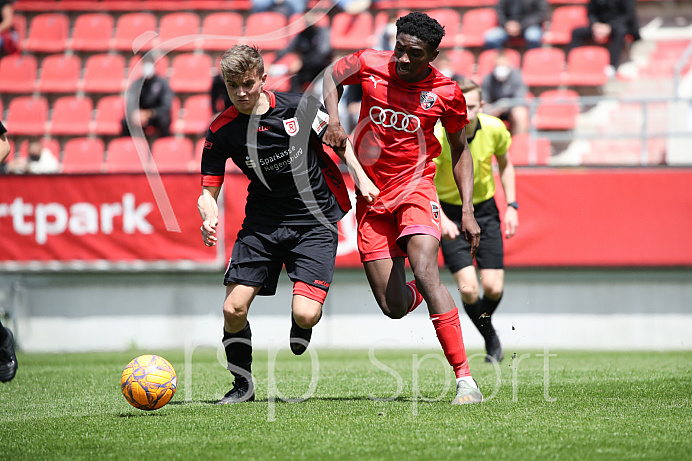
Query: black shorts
259	253
490	252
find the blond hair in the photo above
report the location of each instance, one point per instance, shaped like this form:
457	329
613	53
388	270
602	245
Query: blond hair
467	85
240	60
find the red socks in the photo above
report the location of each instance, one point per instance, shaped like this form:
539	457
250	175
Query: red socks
448	331
417	297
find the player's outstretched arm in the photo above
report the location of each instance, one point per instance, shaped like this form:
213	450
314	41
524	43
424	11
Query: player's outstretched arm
462	167
367	188
209	211
335	136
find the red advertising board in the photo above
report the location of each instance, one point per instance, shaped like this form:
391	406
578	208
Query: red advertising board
570	217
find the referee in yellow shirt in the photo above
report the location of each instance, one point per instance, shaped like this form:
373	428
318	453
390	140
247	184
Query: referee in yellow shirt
487	136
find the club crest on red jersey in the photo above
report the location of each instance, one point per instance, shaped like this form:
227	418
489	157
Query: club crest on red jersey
427	99
291	126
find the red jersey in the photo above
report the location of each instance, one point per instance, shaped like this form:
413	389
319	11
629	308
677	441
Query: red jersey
395	140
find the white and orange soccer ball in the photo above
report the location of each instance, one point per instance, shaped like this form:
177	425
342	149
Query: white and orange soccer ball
148	382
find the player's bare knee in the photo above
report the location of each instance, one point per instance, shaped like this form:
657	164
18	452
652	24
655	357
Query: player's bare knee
469	293
307	319
234	313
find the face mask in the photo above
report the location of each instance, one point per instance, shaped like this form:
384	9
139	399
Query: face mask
502	72
148	69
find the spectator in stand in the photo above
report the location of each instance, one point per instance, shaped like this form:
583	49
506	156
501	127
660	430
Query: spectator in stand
608	20
313	48
518	18
9	39
506	82
39	161
287	7
219	96
149	101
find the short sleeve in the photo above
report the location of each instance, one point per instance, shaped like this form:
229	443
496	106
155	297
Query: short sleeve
346	70
454	118
3	130
213	165
503	140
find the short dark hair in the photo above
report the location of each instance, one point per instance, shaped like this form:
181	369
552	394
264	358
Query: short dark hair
421	26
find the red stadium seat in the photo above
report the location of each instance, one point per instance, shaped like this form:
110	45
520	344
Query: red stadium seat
197	115
563	21
123	155
71	116
486	61
451	20
48	33
103	73
191	73
586	66
83	155
543	67
162	65
552	115
92	32
525	152
60	74
179	31
172	154
27	115
18	74
130	26
225	24
462	62
352	32
110	110
474	25
19	24
268	29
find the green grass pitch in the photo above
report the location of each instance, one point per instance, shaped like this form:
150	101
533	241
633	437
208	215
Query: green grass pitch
389	405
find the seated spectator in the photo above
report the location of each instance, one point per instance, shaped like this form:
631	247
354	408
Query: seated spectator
286	7
506	82
220	101
518	18
313	48
9	39
39	161
148	103
608	20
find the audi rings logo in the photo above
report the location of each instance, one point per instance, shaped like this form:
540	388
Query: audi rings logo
392	119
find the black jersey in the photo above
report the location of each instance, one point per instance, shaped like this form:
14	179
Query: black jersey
3	130
281	152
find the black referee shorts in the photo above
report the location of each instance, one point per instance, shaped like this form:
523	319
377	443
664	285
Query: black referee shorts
490	252
259	253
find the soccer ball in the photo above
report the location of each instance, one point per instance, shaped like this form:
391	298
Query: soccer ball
148	382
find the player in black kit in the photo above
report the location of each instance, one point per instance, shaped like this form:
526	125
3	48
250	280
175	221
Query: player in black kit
295	198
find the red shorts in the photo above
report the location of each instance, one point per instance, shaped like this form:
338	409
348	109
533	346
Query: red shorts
381	226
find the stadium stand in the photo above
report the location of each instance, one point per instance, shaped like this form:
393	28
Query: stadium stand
191	73
103	73
557	110
27	115
92	32
564	19
71	116
110	111
486	61
59	74
585	66
50	144
172	154
197	115
48	33
123	155
266	29
351	32
449	19
83	155
130	26
543	66
222	24
474	24
463	62
18	74
527	151
178	31
162	67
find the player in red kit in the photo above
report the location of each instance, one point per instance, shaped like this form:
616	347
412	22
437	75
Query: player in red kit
403	98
